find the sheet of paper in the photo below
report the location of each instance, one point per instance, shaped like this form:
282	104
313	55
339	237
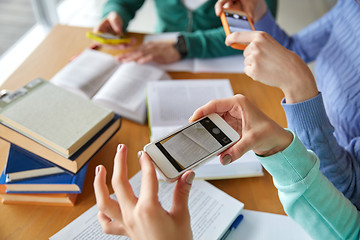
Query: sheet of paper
212	212
171	103
260	225
230	64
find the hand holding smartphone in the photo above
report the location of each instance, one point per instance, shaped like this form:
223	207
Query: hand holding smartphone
191	145
234	20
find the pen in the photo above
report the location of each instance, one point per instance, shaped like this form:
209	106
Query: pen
233	226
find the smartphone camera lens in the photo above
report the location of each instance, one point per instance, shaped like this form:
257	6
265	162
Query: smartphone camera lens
216	130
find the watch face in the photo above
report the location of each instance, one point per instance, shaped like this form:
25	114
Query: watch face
180	46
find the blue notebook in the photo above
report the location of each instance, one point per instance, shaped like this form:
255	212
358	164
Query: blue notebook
57	183
22	164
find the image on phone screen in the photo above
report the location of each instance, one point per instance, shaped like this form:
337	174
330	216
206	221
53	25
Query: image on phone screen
193	143
237	22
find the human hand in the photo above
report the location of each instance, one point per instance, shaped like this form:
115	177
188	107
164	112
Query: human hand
143	217
256	9
269	62
162	52
257	131
113	24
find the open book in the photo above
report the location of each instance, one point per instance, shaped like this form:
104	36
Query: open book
227	64
119	87
212	212
171	103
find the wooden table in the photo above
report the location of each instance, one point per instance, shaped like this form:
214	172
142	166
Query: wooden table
41	222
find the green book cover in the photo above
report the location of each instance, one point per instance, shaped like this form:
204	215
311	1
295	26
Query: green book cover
52	116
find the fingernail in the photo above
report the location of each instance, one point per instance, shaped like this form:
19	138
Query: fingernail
190	117
97	170
190	178
226	159
139	154
119	147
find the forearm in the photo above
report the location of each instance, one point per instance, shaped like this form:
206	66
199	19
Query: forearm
125	8
340	165
308	197
208	44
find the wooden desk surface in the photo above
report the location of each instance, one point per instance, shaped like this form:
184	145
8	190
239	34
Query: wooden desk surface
41	222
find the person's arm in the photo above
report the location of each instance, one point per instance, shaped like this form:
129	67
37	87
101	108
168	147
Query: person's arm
126	9
341	165
207	44
308	197
308	42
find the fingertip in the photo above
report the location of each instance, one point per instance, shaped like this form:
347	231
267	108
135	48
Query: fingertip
226	159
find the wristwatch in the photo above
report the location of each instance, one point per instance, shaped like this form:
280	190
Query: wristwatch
181	47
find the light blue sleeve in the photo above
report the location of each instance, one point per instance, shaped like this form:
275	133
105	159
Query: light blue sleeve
341	165
308	42
308	197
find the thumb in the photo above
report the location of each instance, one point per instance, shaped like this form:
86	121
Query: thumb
240	37
236	151
181	194
116	24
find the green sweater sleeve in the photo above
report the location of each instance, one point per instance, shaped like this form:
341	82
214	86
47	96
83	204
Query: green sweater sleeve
207	44
308	197
125	8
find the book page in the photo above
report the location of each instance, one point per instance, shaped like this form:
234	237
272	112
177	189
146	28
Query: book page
86	73
212	211
126	87
171	103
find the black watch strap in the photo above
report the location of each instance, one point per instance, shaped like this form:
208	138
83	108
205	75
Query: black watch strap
181	47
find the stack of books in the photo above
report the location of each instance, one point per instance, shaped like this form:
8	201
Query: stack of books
52	134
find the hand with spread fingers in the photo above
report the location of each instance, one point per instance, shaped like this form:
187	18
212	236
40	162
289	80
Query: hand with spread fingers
142	217
268	62
159	52
257	131
113	24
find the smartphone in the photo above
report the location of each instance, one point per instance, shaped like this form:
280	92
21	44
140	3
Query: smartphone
236	21
191	145
107	38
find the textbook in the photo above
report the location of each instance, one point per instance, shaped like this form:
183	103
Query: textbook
212	212
50	199
58	183
22	164
100	77
171	103
77	160
52	116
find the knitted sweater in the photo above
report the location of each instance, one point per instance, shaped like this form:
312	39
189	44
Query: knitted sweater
329	124
308	197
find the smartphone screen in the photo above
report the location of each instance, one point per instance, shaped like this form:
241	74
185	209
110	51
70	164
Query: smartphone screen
193	143
237	22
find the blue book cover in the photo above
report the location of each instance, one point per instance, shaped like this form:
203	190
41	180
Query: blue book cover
58	183
22	164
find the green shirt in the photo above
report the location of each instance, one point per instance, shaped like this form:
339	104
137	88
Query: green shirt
201	28
308	197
